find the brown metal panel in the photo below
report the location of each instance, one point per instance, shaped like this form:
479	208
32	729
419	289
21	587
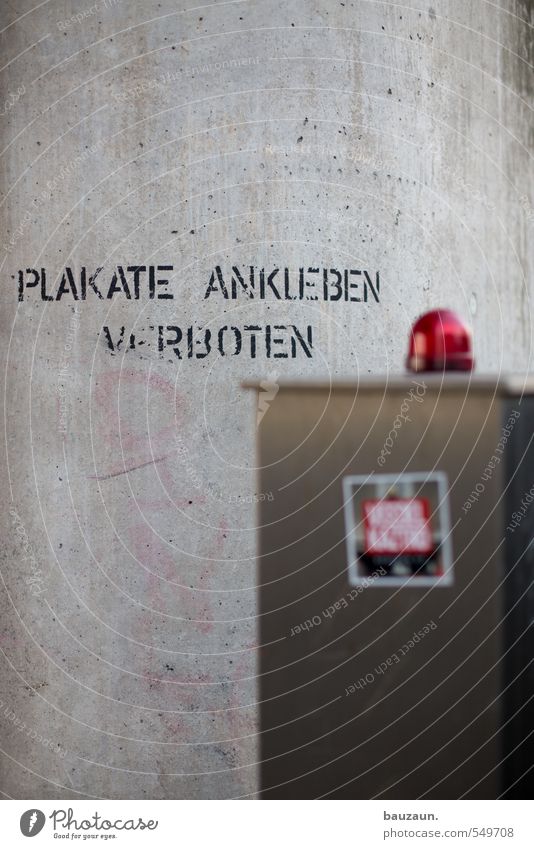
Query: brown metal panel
426	727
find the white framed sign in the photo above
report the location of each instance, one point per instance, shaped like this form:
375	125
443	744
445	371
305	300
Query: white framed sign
397	529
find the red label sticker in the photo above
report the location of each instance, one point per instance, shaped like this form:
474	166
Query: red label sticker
397	526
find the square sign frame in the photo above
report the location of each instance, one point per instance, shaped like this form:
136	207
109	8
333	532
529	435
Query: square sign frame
440	518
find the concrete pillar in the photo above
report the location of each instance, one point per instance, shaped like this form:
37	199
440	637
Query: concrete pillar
390	141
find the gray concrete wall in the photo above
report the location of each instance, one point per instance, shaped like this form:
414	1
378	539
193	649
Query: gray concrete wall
361	135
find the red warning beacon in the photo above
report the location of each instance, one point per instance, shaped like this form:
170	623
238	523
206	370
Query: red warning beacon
440	341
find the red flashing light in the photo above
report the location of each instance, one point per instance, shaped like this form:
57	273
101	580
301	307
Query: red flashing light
440	341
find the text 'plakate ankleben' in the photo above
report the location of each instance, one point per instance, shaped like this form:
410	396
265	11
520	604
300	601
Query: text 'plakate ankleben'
236	283
154	282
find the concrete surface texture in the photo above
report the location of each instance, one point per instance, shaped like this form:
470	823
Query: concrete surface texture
190	150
